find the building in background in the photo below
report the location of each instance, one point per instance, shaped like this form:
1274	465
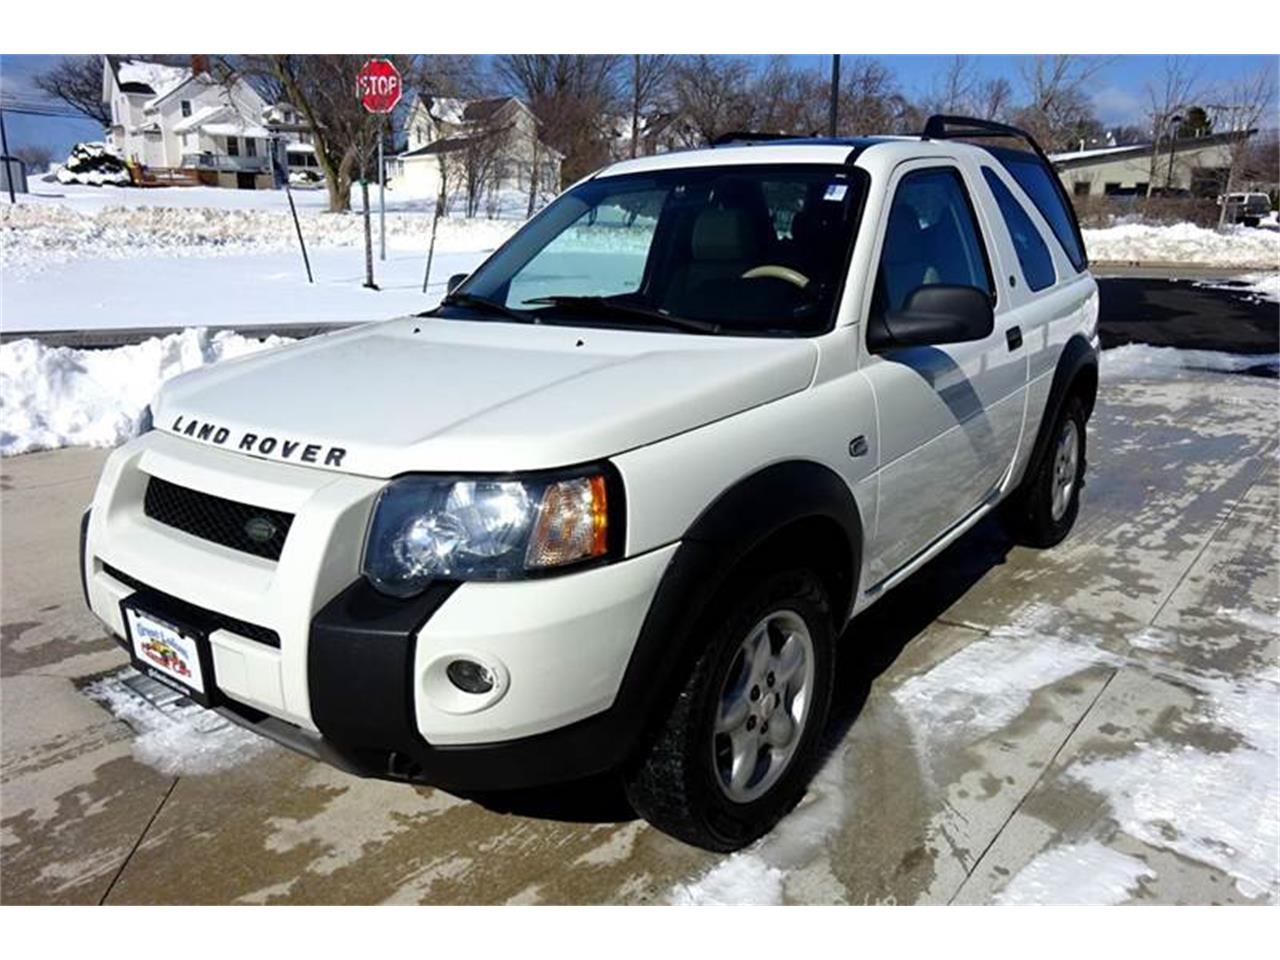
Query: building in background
182	124
481	148
1190	166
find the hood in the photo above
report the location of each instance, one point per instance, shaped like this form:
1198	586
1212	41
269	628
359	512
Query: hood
424	394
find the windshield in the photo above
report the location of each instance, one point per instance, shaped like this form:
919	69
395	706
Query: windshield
742	250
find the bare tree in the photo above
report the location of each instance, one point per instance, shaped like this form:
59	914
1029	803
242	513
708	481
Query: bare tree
870	101
1243	104
1059	107
955	88
344	135
36	156
993	99
1168	96
571	95
77	82
650	73
712	93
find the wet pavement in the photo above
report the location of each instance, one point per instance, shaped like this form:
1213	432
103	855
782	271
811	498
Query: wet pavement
1095	723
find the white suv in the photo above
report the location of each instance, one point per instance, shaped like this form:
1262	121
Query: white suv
610	506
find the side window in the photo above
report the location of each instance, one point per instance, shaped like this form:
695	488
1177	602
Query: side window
1033	254
932	238
1038	184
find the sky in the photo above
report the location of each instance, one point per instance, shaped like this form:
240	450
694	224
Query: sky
1118	91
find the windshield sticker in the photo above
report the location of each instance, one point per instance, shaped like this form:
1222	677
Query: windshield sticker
836	191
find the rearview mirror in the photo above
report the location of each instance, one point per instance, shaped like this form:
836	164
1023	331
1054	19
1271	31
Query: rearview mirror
454	282
936	313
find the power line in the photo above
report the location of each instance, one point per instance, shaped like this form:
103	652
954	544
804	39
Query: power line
38	109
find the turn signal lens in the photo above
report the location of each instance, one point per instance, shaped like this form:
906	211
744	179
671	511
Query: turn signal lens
572	524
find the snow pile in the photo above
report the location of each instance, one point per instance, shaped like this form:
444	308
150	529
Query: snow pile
757	875
1183	243
93	164
57	396
1255	287
1139	361
38	233
1079	874
174	735
1217	806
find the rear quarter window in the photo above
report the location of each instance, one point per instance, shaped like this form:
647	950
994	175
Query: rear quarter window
1033	253
1039	183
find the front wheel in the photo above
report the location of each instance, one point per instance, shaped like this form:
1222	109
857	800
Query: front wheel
1043	512
737	748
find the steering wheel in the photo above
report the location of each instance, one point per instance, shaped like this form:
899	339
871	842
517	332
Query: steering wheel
777	272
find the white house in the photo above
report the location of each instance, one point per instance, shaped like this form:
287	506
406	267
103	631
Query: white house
483	148
180	118
657	132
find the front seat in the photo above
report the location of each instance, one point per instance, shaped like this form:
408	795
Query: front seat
723	245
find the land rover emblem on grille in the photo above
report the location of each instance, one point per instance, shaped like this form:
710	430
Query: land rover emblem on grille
259	529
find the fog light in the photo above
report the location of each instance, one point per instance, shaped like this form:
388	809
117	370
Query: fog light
469	676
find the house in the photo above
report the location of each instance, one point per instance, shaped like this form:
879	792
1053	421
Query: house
1195	166
169	118
658	132
482	148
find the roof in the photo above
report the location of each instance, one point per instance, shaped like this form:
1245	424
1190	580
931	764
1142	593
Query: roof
146	76
445	145
1083	158
235	128
200	118
809	150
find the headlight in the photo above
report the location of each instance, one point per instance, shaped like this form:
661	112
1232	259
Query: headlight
426	528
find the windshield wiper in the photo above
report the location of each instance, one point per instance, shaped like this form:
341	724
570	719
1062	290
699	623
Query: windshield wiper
484	303
597	305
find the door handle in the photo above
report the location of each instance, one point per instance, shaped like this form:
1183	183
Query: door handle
1014	337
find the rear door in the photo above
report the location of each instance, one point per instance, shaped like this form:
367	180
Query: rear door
949	415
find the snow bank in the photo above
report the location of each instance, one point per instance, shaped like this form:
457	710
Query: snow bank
34	234
1184	243
174	735
1139	361
57	396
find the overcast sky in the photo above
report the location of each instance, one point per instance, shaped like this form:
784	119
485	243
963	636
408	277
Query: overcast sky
1118	90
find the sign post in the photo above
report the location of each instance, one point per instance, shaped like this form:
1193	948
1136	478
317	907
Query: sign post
380	87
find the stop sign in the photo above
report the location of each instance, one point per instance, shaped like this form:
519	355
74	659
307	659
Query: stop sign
378	86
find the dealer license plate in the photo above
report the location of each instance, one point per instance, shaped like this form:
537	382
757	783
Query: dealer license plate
166	651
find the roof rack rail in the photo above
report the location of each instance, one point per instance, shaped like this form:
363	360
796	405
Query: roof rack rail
937	127
753	136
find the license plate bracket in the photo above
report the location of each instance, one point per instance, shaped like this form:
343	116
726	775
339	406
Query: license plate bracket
168	649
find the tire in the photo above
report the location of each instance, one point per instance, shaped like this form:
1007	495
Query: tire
1044	510
683	782
1250	221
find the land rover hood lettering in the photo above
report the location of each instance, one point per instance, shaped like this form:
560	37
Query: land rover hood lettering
262	445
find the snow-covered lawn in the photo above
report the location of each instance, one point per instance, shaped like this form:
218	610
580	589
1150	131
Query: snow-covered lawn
1184	243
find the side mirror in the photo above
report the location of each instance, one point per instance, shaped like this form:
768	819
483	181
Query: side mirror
936	313
454	282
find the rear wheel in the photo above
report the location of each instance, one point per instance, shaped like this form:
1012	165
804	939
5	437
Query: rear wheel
736	750
1043	512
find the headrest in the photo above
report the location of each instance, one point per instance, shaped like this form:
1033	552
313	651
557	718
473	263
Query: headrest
724	234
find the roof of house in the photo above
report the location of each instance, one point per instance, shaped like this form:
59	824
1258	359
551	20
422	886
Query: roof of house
146	76
201	117
443	145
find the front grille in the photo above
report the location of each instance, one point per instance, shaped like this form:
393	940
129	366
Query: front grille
190	614
241	526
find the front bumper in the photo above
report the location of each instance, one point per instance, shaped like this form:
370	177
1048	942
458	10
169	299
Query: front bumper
354	679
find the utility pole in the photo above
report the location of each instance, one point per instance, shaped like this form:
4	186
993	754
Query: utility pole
4	148
835	95
1173	140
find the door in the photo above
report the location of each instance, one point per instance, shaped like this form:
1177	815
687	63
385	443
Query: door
949	415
